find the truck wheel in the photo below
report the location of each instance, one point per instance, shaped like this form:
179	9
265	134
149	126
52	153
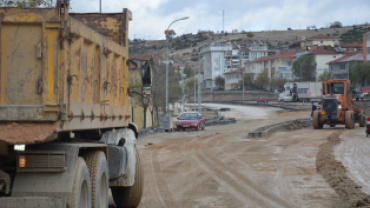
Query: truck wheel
316	120
362	119
98	168
332	125
348	119
130	197
81	191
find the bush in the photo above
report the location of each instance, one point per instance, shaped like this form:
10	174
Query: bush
289	28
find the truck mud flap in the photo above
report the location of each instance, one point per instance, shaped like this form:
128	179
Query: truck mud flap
31	202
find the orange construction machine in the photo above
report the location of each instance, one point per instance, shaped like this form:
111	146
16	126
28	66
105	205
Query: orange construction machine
337	107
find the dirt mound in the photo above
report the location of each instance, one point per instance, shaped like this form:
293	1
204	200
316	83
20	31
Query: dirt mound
335	174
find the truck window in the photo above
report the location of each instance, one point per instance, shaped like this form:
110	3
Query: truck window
336	88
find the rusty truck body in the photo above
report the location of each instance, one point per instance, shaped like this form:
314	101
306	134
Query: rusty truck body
66	135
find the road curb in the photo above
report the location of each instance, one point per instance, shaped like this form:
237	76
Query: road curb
257	105
287	125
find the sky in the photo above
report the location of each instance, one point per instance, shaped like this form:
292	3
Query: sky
152	17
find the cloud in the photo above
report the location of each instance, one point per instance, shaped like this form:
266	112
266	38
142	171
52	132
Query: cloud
152	17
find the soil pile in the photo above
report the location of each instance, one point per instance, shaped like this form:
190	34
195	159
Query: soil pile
335	174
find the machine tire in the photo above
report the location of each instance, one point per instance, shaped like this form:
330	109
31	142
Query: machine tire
362	119
316	120
348	119
130	197
81	190
99	175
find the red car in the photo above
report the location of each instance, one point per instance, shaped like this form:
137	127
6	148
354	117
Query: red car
262	100
191	120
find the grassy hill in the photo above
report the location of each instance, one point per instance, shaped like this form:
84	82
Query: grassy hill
184	46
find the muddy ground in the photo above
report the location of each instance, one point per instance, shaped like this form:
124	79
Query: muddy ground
223	167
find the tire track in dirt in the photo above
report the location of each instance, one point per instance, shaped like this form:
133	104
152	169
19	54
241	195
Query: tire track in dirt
164	191
263	194
152	183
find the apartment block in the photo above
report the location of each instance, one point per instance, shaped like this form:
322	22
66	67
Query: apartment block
276	66
224	57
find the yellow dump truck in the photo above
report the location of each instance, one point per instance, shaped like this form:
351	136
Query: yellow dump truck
66	136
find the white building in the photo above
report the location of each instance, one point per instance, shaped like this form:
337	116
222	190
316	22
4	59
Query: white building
324	54
223	57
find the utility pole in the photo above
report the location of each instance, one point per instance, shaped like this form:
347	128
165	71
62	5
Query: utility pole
199	102
100	6
223	20
194	90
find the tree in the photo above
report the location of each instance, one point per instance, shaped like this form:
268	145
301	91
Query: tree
159	86
247	81
250	35
262	81
28	3
325	76
144	101
220	81
289	28
188	71
359	74
305	68
278	83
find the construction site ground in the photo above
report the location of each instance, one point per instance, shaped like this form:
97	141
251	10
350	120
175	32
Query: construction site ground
223	167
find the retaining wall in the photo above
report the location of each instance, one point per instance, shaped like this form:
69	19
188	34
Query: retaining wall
232	96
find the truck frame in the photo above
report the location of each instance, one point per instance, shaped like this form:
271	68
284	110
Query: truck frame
65	111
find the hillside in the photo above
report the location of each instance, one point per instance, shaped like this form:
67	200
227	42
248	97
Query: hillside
183	46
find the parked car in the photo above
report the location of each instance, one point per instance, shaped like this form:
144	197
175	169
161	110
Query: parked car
262	99
191	120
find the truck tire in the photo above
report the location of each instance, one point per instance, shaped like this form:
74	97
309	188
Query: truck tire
316	120
362	119
349	119
81	191
98	168
130	197
332	125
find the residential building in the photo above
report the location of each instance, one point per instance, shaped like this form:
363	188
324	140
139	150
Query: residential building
276	66
223	57
324	54
351	47
232	79
318	40
339	68
366	42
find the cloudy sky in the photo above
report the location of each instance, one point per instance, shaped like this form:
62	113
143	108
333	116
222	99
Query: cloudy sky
152	17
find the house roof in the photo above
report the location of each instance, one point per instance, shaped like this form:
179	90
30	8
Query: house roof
351	45
323	37
287	55
237	71
355	56
323	50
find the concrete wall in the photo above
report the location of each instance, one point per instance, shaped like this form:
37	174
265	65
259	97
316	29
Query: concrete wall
232	96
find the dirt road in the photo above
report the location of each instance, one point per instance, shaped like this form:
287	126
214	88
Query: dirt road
222	167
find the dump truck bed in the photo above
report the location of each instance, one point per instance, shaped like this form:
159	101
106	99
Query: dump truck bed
58	72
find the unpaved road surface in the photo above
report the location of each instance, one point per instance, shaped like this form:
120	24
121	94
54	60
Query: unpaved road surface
222	167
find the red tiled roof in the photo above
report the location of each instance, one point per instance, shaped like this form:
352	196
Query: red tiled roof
324	50
351	45
355	56
288	55
237	71
321	37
